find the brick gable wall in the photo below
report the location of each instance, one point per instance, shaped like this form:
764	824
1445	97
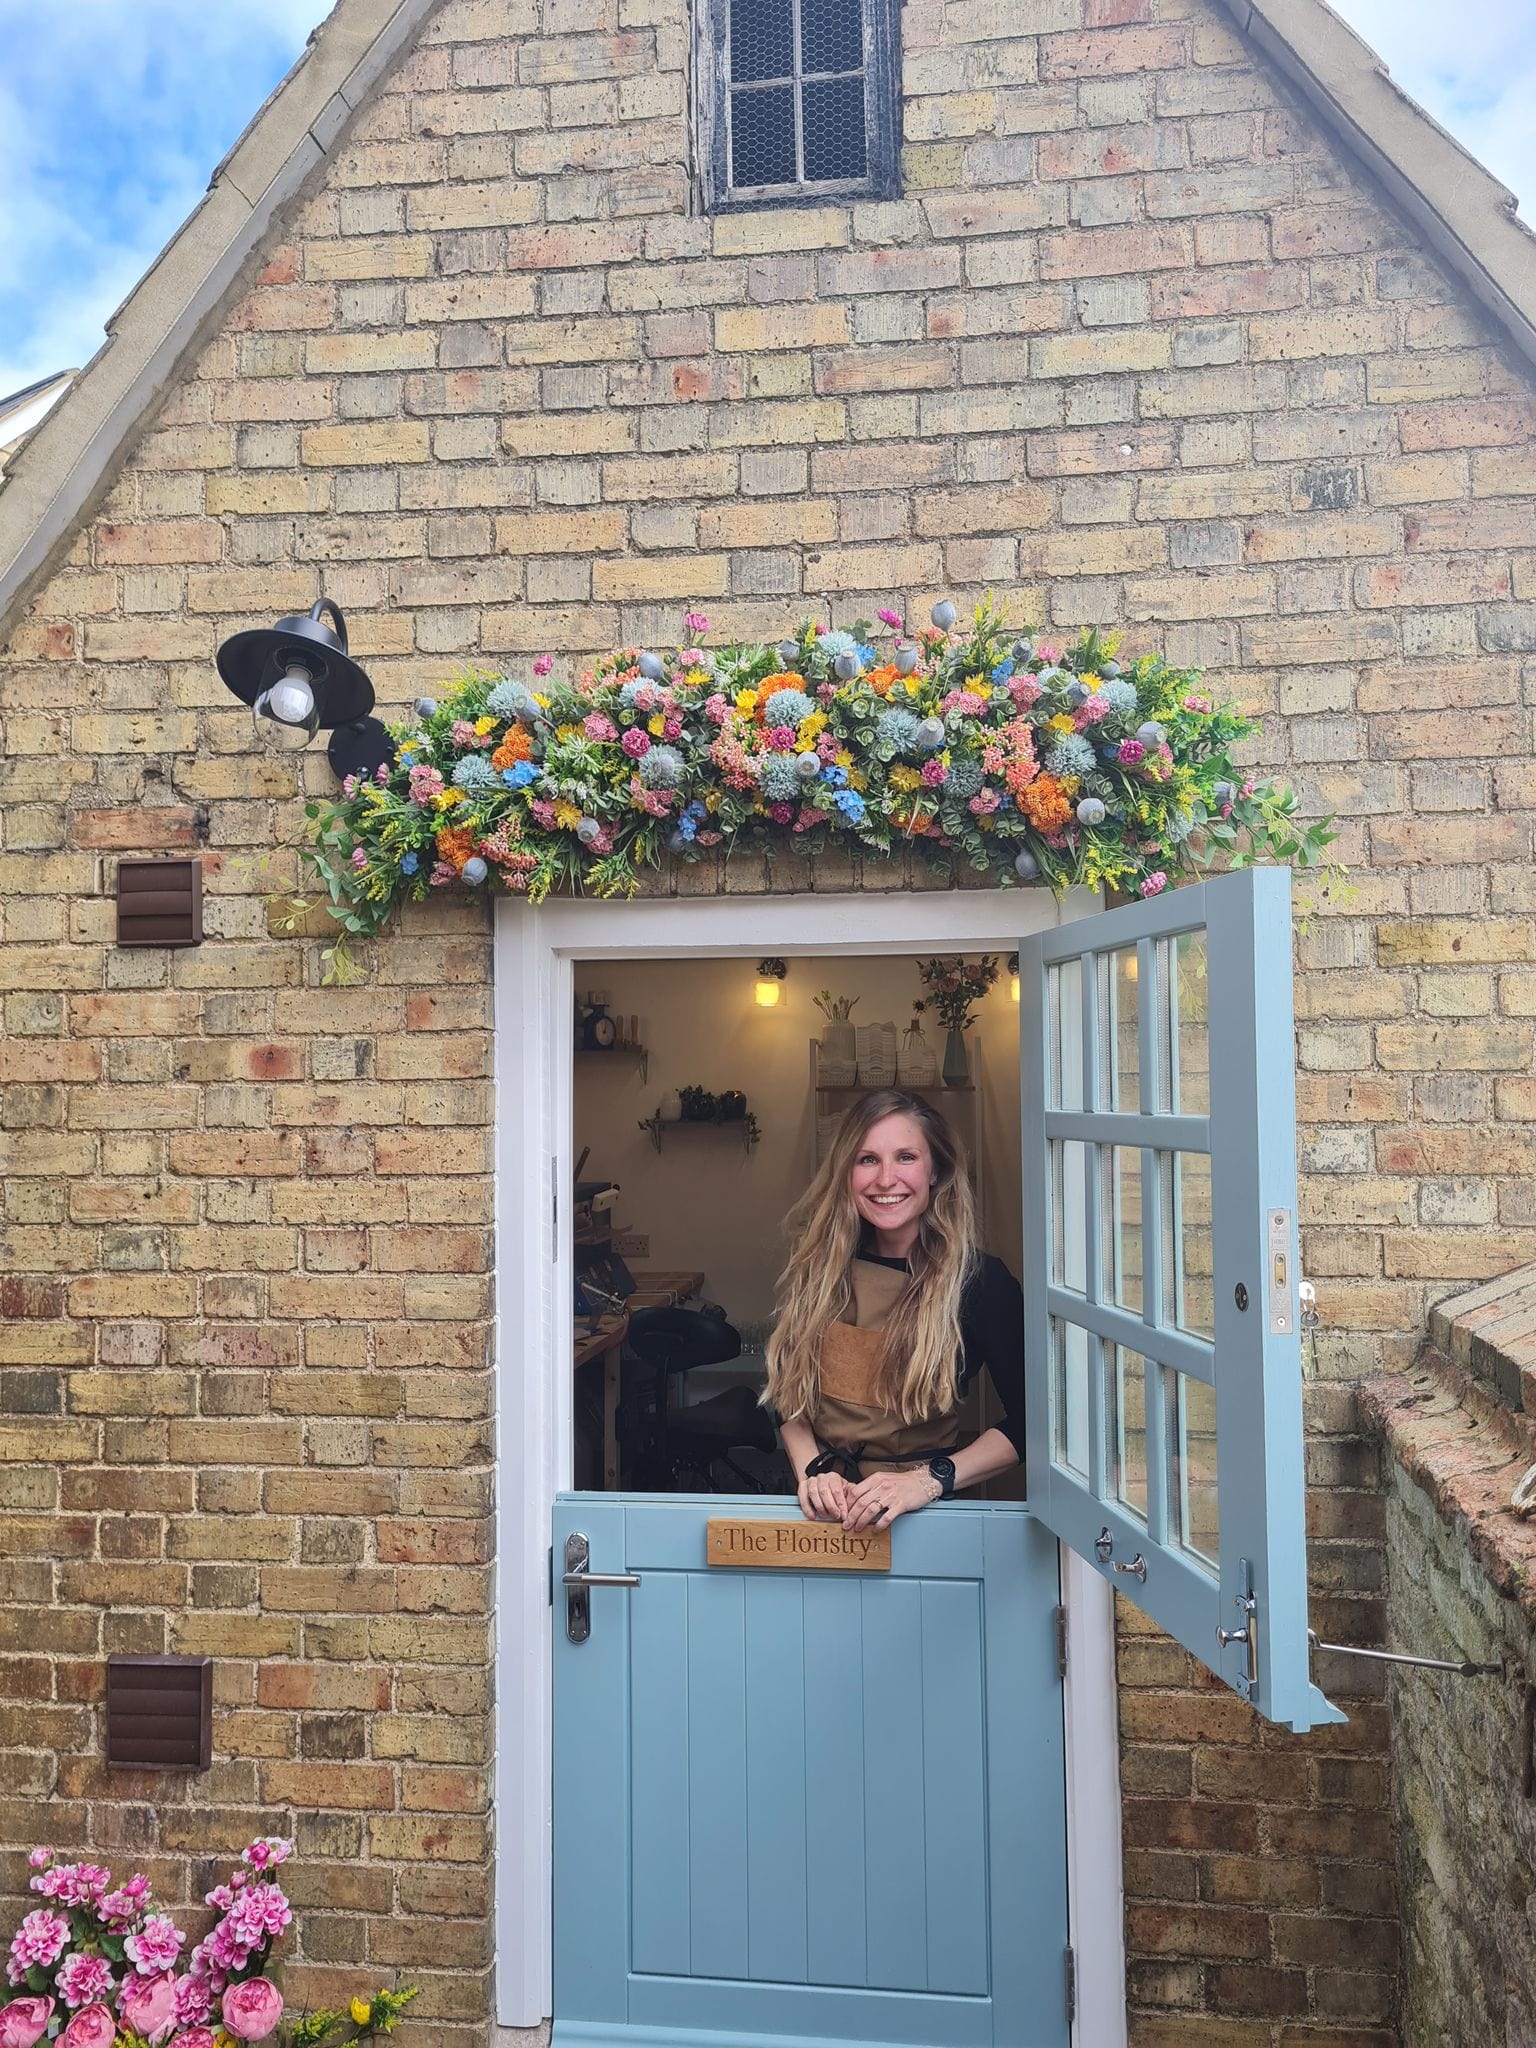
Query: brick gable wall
1137	346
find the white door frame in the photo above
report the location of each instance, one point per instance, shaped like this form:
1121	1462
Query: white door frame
534	951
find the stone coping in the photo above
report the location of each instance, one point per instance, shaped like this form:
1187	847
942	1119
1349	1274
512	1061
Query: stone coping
1462	1423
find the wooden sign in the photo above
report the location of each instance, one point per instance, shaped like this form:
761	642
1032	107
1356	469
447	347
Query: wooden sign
797	1546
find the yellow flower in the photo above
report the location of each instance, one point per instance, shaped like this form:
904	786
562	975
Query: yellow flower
1089	682
843	758
983	691
914	685
1061	723
447	798
567	732
360	2009
543	701
657	726
566	814
857	779
902	777
809	726
696	678
746	700
485	725
712	800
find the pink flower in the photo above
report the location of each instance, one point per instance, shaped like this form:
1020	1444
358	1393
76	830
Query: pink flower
1198	703
828	744
1092	709
84	1980
1154	885
194	2001
672	729
195	2037
443	872
349	785
716	710
695	623
39	1859
710	838
934	771
1025	691
426	784
359	858
41	1938
781	814
1131	751
889	618
983	803
73	1884
24	2021
1249	786
597	727
92	2027
157	1944
781	738
147	2005
544	664
252	2009
965	701
464	734
636	744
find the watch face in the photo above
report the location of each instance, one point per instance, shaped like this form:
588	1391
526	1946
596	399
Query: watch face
943	1469
603	1031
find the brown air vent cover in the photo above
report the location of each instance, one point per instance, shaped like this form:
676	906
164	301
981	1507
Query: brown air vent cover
160	902
160	1712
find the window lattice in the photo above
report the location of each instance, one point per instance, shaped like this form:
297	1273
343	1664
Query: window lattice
797	103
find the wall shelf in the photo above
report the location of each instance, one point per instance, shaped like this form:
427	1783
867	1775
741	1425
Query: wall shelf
747	1125
640	1054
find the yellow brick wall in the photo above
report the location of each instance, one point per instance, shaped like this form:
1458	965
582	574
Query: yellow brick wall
1137	347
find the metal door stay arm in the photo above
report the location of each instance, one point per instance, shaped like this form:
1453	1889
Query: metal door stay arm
1462	1669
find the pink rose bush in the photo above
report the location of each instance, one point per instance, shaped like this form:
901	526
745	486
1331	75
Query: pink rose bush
97	1968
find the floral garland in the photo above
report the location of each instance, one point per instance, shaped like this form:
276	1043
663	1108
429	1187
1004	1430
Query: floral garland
1028	761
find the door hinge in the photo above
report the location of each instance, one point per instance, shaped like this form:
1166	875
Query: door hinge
554	1209
1071	1961
1061	1643
550	1559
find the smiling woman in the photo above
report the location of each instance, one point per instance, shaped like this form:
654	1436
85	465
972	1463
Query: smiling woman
111	113
887	1313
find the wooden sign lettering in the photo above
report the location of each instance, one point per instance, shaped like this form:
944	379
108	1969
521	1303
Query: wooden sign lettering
796	1547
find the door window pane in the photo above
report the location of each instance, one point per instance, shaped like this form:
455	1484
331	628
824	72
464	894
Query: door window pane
1069	1346
763	136
1193	1519
1189	1301
1189	1003
1121	1211
1119	1039
1064	1036
1069	1177
1127	1414
835	142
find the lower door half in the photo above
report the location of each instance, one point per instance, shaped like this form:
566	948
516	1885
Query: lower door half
798	1809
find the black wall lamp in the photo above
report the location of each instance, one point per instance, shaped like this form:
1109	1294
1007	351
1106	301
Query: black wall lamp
299	680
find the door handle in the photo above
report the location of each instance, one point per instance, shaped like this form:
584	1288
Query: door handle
578	1582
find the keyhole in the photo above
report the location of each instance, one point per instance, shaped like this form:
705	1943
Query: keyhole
1240	1295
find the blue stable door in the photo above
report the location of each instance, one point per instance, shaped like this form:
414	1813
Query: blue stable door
796	1809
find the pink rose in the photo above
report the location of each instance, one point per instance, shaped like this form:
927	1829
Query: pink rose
636	743
24	2021
148	2005
252	2009
695	622
194	2037
92	2027
544	664
84	1980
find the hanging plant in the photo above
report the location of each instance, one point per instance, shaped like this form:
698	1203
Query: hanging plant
1027	761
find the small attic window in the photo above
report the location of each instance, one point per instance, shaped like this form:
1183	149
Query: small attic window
798	101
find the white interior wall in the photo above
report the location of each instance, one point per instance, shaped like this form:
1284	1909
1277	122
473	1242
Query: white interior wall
703	1201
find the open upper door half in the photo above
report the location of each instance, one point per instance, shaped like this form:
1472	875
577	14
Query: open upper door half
1162	1353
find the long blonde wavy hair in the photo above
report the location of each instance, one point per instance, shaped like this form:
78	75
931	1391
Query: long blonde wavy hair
921	1353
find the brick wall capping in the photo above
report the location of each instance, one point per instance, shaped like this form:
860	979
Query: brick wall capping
1462	1423
62	470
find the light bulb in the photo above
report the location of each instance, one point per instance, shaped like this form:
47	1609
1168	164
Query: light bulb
1013	986
767	993
292	700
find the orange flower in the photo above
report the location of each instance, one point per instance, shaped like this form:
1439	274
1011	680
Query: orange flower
455	846
880	679
1043	803
514	748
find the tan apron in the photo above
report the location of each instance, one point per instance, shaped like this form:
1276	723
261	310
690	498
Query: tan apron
849	1417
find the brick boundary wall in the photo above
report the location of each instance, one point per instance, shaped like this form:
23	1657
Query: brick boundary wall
1137	346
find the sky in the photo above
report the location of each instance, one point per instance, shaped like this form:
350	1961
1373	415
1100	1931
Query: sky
113	114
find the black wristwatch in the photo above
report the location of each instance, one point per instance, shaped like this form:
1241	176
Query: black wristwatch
943	1469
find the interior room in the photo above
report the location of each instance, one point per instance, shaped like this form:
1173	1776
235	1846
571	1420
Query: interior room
705	1093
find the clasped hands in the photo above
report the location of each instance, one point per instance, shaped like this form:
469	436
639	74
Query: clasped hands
872	1503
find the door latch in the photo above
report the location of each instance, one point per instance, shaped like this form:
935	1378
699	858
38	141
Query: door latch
578	1582
1248	1635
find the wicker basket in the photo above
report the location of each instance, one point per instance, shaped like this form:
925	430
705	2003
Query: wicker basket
836	1073
877	1055
917	1064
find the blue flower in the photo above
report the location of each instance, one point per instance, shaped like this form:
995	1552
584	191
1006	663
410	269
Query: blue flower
472	773
787	707
1121	697
837	777
898	729
687	825
519	775
409	863
405	753
1071	755
509	699
777	778
867	655
851	804
1003	670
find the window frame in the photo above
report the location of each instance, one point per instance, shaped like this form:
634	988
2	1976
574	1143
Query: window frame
711	117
